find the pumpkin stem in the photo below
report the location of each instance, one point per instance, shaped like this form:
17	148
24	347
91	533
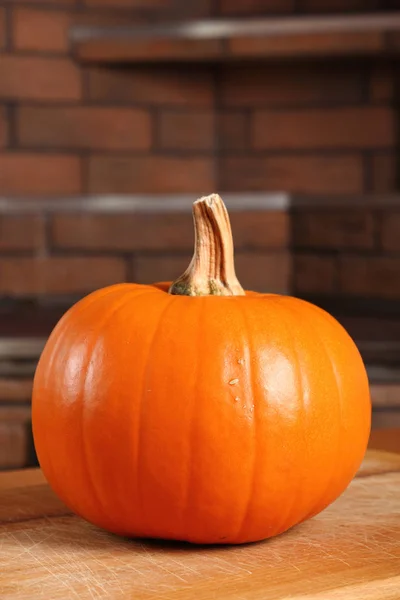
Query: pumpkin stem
212	269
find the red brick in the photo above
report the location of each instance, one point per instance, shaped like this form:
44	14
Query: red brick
382	82
58	275
333	229
146	4
307	45
125	232
134	174
314	274
173	231
392	39
190	10
254	7
15	390
361	127
55	3
108	18
194	130
20	414
19	232
3	28
169	85
260	229
179	11
324	6
3	128
159	9
376	327
38	78
14	440
384	394
149	49
264	272
291	85
39	174
370	276
233	130
391	231
84	127
40	30
384	172
150	269
308	174
385	419
269	272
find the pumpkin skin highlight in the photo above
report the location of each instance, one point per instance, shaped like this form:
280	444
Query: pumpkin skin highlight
209	419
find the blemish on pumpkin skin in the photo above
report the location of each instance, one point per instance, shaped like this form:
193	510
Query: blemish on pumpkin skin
241	361
237	399
233	381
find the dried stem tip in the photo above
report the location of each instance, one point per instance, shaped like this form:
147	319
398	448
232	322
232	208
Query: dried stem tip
212	270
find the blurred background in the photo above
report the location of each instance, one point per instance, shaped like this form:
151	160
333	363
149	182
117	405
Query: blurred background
116	114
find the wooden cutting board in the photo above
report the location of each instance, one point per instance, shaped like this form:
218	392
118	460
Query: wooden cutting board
349	552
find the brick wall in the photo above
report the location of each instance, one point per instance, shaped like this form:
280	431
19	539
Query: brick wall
175	129
309	250
65	129
154	129
68	130
65	255
298	127
348	253
308	127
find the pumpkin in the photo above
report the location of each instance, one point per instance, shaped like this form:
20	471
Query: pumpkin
197	411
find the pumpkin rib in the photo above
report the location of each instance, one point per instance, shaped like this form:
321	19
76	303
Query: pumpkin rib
248	352
59	332
283	306
139	292
118	503
328	318
94	336
190	454
322	499
139	433
283	523
80	307
339	451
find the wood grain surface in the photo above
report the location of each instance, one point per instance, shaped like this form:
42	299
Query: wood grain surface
351	551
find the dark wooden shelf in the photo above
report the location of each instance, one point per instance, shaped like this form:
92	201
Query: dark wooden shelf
233	40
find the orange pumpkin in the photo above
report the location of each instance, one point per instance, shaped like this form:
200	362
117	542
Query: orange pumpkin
199	411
